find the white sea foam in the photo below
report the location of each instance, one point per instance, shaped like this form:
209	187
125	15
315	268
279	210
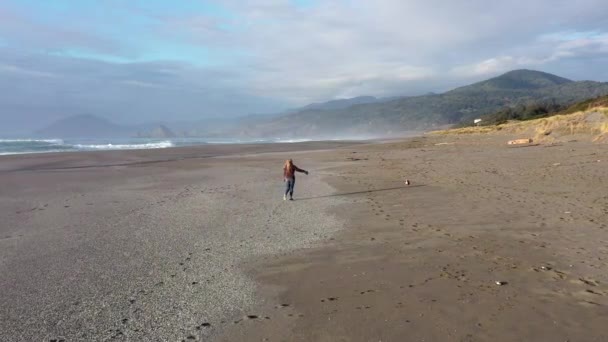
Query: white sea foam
31	152
235	141
48	141
160	144
291	140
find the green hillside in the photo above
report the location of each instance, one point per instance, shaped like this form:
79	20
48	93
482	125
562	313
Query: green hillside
515	80
459	106
539	109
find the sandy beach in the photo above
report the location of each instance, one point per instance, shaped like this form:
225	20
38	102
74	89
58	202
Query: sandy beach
489	242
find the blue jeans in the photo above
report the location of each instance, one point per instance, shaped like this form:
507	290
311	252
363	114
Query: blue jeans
289	184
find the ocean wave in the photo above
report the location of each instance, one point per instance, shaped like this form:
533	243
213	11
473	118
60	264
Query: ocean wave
160	144
291	141
30	152
236	141
48	141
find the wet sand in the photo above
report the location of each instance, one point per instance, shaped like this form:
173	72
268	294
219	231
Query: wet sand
422	262
197	244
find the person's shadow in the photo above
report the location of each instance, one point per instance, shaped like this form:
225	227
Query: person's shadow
360	192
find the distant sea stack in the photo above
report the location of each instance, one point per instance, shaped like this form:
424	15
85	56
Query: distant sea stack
159	132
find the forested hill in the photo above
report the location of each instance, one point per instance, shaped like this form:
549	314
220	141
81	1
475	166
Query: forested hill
429	111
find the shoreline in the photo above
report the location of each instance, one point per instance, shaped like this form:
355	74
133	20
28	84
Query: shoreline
167	144
120	158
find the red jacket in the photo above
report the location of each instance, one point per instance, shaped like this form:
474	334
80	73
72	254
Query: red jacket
290	172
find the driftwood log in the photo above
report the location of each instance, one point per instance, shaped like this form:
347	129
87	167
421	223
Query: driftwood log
519	141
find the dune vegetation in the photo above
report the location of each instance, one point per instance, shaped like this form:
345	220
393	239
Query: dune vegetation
591	122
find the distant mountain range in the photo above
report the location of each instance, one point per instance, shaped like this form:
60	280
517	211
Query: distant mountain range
360	116
340	104
428	111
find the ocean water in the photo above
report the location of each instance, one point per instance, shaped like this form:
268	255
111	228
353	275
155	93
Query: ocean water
22	146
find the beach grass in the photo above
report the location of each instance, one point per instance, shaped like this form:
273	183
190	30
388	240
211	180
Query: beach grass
590	122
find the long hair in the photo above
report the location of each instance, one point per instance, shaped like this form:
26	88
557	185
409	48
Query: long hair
288	166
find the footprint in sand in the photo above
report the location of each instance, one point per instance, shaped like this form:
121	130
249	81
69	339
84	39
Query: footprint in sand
250	317
116	333
586	281
329	299
590	297
367	291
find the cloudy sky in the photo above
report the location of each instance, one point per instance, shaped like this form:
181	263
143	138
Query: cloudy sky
140	60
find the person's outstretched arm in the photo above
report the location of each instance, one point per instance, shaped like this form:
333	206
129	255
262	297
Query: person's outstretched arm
300	170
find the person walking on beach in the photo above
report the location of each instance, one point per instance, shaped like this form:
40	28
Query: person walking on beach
289	177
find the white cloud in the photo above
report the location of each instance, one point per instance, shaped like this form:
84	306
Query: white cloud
554	48
266	55
380	47
487	67
8	69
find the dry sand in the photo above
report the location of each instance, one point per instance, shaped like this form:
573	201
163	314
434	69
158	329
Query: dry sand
196	244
